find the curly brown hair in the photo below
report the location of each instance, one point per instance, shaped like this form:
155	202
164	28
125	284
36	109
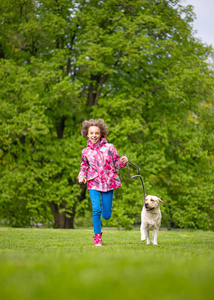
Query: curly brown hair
93	122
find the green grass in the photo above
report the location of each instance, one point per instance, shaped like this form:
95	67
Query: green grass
64	264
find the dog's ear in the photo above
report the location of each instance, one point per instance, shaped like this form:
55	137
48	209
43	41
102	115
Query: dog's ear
161	201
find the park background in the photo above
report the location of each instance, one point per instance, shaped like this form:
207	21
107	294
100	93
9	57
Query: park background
137	65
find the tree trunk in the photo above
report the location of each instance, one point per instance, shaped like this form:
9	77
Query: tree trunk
60	127
95	88
61	219
65	219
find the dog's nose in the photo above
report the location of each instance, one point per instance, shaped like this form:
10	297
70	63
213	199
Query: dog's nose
146	204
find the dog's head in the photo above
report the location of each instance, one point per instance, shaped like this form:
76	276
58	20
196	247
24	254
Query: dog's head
152	202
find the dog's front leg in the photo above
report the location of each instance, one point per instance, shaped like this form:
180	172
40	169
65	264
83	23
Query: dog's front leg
143	234
155	237
148	238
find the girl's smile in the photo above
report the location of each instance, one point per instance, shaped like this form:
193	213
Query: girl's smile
94	134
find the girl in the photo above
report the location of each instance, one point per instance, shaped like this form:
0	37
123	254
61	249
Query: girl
98	163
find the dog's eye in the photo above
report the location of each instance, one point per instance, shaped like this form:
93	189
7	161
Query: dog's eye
152	200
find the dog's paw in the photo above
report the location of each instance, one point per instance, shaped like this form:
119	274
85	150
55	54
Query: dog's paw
155	244
143	238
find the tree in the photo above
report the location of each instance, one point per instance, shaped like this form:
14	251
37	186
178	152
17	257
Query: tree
135	64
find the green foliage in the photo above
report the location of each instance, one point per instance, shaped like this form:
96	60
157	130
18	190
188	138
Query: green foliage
38	167
134	63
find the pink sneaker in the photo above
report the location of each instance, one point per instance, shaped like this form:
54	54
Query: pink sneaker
98	239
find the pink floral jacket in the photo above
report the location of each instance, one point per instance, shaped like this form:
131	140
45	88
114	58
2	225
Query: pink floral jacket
98	164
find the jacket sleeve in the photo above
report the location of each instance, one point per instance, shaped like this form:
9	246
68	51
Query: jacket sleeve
117	161
84	167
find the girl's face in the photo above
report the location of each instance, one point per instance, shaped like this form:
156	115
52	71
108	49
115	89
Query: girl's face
94	134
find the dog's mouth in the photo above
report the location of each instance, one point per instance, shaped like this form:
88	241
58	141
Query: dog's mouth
148	209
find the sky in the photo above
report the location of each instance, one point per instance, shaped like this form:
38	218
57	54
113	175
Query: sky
204	22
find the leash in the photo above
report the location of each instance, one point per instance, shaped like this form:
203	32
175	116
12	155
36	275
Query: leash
138	175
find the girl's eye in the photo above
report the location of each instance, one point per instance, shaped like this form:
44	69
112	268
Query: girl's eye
96	133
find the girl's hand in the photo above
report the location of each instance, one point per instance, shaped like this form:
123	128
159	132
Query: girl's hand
82	180
124	159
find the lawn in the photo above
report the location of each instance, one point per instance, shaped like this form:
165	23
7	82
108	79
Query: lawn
64	264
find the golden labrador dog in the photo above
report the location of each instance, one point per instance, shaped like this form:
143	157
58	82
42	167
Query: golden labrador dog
151	219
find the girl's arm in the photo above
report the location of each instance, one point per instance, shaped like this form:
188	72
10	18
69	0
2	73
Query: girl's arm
83	169
119	162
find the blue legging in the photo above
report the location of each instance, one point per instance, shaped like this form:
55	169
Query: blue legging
106	210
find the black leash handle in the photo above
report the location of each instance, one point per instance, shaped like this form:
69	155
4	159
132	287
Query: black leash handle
138	175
